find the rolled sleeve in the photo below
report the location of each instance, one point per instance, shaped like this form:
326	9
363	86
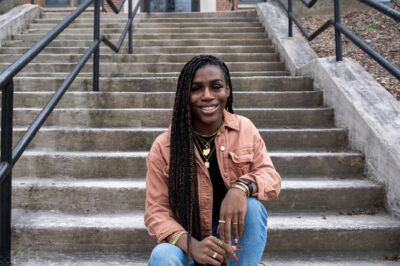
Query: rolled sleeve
158	217
262	172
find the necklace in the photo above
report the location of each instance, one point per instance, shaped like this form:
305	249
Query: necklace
205	136
206	143
206	152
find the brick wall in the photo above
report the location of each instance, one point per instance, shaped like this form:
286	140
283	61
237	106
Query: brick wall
37	2
116	2
226	5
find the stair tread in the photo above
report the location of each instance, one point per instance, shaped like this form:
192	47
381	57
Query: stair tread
134	221
291	183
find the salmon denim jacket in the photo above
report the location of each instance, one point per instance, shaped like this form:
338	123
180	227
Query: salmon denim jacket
241	153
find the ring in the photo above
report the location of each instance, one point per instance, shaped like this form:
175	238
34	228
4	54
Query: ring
235	223
215	255
220	243
221	221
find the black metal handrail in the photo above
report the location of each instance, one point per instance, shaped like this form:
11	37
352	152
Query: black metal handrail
10	156
341	29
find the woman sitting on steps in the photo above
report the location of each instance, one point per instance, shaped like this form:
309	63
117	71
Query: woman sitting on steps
206	175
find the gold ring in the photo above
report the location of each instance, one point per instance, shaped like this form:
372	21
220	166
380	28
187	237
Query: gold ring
235	223
215	255
221	221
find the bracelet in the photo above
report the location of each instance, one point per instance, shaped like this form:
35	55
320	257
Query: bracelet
245	190
247	183
175	237
248	191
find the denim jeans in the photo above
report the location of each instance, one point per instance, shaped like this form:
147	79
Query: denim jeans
253	241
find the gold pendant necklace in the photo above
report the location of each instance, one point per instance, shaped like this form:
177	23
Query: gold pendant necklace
206	152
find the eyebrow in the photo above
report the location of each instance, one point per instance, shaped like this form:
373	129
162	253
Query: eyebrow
212	81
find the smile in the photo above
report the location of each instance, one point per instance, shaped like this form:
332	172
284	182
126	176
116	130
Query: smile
209	109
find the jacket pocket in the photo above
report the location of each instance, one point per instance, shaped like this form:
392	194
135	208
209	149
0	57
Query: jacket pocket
240	162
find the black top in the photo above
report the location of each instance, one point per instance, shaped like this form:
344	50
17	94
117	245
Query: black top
219	189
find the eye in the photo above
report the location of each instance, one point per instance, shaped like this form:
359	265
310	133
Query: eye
216	86
194	88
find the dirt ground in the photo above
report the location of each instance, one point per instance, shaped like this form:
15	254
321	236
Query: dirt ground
380	32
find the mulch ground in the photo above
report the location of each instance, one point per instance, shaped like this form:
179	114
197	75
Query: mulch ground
380	32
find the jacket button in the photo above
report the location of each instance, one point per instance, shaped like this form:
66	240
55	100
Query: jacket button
222	148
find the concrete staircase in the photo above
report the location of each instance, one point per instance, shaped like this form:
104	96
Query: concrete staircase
79	191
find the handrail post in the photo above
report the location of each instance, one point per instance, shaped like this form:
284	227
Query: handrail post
290	8
130	27
96	53
5	186
338	35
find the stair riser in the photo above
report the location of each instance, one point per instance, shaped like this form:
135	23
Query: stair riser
155	36
312	118
137	20
91	140
97	200
165	100
146	43
135	167
154	30
150	50
111	241
161	84
124	58
236	14
141	25
256	74
122	68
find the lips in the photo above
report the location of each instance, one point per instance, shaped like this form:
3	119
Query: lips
209	109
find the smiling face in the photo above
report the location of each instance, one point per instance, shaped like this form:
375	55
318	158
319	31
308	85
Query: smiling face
209	93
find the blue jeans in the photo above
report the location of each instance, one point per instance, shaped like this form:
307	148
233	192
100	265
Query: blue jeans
253	241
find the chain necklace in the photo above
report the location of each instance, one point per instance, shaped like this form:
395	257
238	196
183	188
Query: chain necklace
207	151
206	143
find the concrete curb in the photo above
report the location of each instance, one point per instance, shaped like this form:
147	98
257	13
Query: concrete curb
370	113
16	20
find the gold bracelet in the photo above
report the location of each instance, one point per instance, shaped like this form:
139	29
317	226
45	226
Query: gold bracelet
175	237
245	187
234	185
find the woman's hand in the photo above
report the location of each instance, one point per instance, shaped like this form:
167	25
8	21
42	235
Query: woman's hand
233	211
210	250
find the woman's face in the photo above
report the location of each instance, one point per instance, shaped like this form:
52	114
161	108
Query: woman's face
209	94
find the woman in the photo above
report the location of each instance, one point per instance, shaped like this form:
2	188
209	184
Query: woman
206	175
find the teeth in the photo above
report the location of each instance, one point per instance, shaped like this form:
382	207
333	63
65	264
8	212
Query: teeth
208	108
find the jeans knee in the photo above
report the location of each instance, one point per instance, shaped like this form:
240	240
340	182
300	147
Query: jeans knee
167	254
256	210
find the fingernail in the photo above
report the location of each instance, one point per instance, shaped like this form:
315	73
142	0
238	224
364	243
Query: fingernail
239	247
236	241
235	257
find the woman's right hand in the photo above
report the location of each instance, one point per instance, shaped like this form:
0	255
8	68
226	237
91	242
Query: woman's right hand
204	250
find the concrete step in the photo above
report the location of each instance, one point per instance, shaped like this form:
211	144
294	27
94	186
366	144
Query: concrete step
145	36
250	14
136	20
150	50
161	117
274	259
160	84
243	74
152	30
128	139
106	100
123	68
118	164
125	233
128	195
148	58
153	25
149	42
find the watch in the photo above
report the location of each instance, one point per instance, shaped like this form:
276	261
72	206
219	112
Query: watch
248	184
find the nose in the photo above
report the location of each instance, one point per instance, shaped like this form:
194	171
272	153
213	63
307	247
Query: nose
207	94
